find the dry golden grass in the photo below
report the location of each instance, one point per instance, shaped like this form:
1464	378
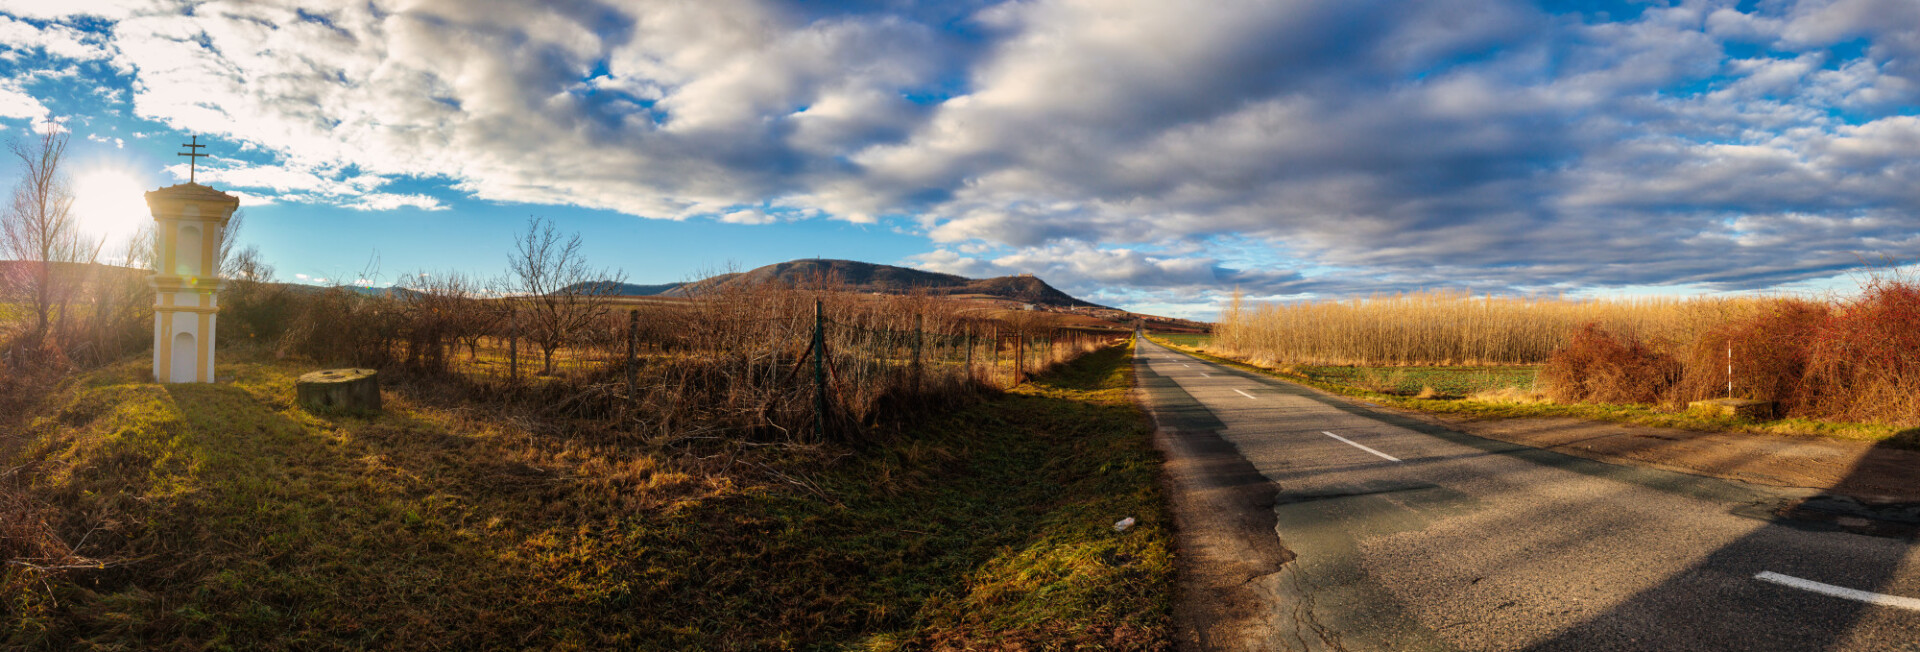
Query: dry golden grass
142	516
1455	328
736	359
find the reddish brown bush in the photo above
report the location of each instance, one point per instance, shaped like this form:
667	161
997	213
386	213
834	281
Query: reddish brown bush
1864	363
1769	355
1599	367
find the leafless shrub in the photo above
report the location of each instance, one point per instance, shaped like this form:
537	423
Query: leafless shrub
1598	366
39	233
435	311
559	295
344	325
116	315
254	308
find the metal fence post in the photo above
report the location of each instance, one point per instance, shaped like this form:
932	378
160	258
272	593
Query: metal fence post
513	358
633	343
919	334
819	369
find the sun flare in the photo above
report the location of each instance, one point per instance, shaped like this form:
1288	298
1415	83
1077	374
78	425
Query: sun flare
110	203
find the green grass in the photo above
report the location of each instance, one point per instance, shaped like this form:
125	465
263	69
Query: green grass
1196	340
1447	381
229	519
1645	415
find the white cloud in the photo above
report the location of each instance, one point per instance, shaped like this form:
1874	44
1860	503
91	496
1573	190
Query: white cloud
1485	142
499	98
749	216
1085	267
57	9
15	102
19	37
386	201
325	180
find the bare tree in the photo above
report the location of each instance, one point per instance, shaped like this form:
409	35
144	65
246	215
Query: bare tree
229	260
438	312
39	232
118	305
486	316
559	294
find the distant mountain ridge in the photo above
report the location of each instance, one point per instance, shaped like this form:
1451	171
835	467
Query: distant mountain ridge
629	289
871	277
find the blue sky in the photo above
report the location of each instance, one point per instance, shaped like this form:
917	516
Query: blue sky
1143	153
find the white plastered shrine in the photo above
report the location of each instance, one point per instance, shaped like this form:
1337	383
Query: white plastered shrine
189	221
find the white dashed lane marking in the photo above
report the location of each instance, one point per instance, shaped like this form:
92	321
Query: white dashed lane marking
1868	597
1354	444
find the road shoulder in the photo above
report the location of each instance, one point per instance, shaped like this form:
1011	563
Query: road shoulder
1230	588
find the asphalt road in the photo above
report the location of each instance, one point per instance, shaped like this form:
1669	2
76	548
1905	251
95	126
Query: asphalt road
1406	536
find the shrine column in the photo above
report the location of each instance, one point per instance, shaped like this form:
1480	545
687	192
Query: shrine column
190	219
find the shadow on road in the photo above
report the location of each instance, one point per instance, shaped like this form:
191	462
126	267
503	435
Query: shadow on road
1747	613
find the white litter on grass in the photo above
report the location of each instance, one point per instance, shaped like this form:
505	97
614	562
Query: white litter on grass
1123	524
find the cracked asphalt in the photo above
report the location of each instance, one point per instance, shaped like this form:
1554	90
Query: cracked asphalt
1293	538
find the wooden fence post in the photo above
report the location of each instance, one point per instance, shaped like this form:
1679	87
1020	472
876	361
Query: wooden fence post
919	334
633	342
1019	357
994	359
969	353
513	358
819	369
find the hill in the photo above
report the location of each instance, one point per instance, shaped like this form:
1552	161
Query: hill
890	279
629	289
8	268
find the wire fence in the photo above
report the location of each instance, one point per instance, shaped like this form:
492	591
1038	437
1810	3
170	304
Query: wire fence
817	374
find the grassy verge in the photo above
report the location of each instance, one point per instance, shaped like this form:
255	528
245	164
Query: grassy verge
221	516
1635	414
1453	382
1200	340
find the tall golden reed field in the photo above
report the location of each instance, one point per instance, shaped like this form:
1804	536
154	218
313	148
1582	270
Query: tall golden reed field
1457	328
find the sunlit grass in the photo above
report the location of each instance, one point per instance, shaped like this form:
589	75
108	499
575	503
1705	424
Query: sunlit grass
1452	381
229	518
1197	340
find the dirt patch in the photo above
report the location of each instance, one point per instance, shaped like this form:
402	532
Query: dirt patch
1874	474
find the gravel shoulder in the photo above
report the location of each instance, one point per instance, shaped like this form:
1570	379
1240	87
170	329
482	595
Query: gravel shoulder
1229	590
